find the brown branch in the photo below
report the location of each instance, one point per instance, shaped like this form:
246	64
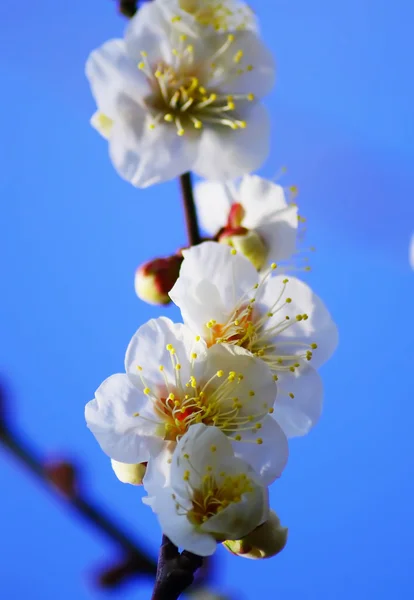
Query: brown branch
60	480
175	571
190	214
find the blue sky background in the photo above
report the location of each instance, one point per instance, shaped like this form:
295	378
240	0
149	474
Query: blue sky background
73	234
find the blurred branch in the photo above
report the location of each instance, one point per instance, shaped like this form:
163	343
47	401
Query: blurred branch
175	571
193	231
60	479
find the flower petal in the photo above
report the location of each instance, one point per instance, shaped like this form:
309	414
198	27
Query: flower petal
145	156
212	280
178	528
213	202
109	416
148	350
260	198
296	416
111	71
318	328
240	518
256	391
269	458
257	62
225	153
149	31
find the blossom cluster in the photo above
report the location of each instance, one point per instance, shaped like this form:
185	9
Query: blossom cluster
205	408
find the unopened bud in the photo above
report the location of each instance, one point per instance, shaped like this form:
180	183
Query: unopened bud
154	279
133	474
265	541
247	242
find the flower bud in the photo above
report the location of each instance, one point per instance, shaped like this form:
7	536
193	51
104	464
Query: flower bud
265	541
133	474
154	279
247	242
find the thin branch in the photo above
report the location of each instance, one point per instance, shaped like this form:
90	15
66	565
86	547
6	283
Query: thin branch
193	231
175	571
60	480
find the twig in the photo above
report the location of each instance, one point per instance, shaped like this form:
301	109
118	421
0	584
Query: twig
175	571
60	481
193	231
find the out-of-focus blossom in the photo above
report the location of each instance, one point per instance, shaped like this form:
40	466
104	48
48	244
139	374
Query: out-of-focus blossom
173	382
265	541
168	104
253	216
209	494
411	252
155	278
204	17
276	318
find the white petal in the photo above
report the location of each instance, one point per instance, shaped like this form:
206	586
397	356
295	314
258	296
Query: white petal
269	458
239	518
206	447
213	203
298	415
178	528
256	392
211	282
225	153
111	71
269	214
149	31
145	156
258	81
319	328
279	234
261	198
148	350
158	473
109	416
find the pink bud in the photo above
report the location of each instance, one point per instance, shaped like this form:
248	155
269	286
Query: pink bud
154	279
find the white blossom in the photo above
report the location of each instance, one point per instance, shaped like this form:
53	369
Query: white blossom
203	17
257	205
276	318
173	381
169	104
207	495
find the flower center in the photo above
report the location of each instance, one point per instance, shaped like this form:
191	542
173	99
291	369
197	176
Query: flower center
213	402
179	96
257	331
216	494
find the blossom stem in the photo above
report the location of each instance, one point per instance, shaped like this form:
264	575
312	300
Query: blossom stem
193	231
175	571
